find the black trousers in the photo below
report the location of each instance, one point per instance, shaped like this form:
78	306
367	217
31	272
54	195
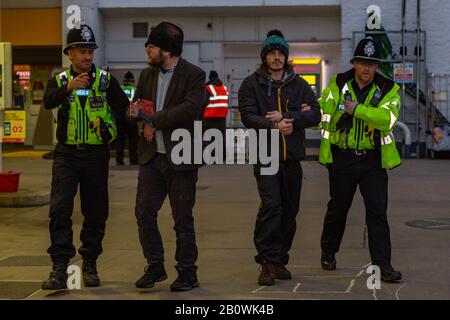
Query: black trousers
156	180
219	124
89	169
126	131
345	174
276	221
215	123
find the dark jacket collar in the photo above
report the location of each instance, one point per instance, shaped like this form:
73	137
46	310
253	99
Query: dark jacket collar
73	73
171	91
264	77
383	83
178	68
178	72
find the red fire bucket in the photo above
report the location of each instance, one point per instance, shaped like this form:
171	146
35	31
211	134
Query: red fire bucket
9	181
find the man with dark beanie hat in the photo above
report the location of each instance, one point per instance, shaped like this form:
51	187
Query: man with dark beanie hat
275	41
174	89
274	97
168	37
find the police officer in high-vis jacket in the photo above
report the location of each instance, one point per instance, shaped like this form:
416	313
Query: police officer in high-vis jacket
359	110
85	97
127	130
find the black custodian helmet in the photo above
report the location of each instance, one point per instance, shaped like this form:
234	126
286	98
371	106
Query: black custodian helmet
367	51
82	37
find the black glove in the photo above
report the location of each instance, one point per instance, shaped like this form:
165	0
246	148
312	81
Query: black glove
344	123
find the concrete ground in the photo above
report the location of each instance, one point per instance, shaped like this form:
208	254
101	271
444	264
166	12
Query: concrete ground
225	212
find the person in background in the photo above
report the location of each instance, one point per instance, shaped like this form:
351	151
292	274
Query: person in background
127	130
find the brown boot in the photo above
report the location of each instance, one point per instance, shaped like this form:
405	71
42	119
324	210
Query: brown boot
280	272
266	278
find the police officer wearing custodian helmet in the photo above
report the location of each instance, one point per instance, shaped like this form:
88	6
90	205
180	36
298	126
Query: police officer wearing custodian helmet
86	97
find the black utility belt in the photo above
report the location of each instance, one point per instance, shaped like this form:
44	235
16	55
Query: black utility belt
85	146
355	151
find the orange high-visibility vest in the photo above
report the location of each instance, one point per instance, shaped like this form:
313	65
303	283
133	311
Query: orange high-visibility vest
218	102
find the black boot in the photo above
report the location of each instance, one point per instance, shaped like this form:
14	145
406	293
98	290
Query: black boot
328	261
154	272
58	277
187	279
389	274
90	275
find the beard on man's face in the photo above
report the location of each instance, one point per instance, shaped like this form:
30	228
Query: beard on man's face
276	66
156	61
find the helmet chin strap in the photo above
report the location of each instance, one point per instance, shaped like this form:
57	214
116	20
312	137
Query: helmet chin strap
77	69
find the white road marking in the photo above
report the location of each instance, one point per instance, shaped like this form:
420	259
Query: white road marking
34	293
375	294
435	221
360	273
396	292
444	225
366	265
361	269
352	283
260	288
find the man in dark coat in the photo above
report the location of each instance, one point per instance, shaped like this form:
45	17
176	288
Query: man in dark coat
175	89
274	97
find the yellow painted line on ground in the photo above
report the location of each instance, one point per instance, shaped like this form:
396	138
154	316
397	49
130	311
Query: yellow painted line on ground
24	154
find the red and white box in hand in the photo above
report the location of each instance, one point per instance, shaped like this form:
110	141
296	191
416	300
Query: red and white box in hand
146	107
